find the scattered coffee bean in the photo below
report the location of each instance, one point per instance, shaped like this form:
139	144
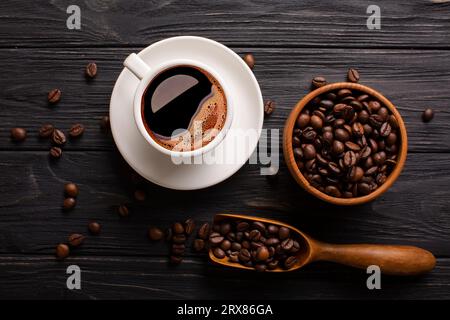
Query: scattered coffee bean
427	115
69	203
318	82
18	134
155	233
189	226
203	231
139	195
58	137
94	227
353	75
123	211
54	96
249	60
76	130
76	239
46	131
91	70
178	228
62	251
71	190
269	107
342	140
199	245
55	152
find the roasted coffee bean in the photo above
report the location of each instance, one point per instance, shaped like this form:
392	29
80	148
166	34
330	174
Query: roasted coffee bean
355	174
46	131
352	146
338	147
287	244
58	137
316	122
272	229
234	257
290	262
62	251
272	264
189	226
225	245
123	211
55	152
259	226
249	60
254	235
326	104
71	190
54	96
318	82
332	191
262	253
219	253
309	152
283	233
374	106
91	70
303	120
215	238
76	130
242	226
94	227
76	239
379	157
385	129
178	228
225	227
203	231
269	107
341	135
178	249
18	134
69	203
199	245
155	233
353	75
349	159
427	115
364	188
244	255
342	93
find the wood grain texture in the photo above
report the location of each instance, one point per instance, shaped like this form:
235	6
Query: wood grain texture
413	212
40	277
268	23
411	79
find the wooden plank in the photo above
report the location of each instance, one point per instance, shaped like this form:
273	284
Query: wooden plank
41	277
405	23
414	211
284	76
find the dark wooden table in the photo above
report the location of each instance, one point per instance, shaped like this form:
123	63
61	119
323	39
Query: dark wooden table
408	60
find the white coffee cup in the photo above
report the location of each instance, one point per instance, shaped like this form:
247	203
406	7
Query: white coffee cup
146	74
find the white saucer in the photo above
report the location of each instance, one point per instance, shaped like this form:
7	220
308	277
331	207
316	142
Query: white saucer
248	114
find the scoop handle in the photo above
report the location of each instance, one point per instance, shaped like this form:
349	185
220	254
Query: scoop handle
395	260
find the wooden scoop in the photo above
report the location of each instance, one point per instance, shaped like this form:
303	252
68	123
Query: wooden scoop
395	260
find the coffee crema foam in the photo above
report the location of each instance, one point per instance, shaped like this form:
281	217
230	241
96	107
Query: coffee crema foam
205	124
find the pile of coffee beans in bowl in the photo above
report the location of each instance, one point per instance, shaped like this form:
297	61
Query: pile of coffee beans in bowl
255	244
346	143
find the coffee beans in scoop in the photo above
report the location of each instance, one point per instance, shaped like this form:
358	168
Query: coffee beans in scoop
255	244
346	143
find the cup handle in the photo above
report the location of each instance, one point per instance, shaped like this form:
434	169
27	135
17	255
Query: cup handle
136	65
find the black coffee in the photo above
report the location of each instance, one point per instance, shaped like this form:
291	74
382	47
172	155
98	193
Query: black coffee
184	105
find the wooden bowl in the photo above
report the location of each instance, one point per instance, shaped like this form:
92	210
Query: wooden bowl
289	154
